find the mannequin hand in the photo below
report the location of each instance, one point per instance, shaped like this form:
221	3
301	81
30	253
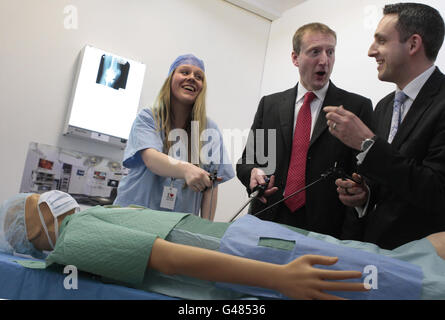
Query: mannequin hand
301	280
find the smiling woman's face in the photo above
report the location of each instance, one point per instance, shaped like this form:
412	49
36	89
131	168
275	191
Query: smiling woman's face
187	82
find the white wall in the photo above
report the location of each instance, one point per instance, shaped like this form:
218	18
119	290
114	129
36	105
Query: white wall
38	59
354	22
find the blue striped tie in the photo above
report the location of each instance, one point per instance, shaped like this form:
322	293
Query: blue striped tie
397	114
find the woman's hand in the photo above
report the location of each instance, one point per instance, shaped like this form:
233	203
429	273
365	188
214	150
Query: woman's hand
163	165
196	178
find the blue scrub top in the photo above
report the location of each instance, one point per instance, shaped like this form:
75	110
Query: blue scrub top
143	187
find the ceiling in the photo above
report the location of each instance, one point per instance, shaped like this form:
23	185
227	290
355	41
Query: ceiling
269	9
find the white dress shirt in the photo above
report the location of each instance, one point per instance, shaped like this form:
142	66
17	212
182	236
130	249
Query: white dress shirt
413	88
316	104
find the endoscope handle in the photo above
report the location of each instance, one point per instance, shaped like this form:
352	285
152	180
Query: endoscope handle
341	173
258	191
213	177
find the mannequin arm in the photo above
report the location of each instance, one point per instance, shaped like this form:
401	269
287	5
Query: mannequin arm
298	279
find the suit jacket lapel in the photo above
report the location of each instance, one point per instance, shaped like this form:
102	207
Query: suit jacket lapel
423	101
321	125
286	113
383	124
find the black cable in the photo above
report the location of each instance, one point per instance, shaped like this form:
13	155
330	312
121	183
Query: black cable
323	176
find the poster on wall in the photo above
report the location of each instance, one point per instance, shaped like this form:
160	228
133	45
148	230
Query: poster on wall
90	179
105	98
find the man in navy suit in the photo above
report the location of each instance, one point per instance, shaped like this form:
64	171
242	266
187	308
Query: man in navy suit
321	211
402	162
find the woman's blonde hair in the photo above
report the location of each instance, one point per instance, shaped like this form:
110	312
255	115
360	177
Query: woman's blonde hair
163	116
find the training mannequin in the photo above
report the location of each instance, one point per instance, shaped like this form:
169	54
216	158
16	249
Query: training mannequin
139	233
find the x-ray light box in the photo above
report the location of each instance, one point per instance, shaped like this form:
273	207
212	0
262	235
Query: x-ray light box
105	97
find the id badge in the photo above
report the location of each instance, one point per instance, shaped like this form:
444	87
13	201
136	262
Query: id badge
169	198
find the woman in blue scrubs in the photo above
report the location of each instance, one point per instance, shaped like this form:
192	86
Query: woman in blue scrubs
173	148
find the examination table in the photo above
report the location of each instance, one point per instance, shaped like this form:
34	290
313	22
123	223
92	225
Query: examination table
21	283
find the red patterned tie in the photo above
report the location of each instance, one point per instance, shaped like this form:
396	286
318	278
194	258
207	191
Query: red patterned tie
296	176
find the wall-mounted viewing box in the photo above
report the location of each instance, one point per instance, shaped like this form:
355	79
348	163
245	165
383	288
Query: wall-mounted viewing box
105	98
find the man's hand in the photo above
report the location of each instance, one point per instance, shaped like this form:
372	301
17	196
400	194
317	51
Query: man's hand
347	127
257	178
351	193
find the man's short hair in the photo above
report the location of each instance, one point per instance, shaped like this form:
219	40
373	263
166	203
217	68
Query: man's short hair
311	27
417	18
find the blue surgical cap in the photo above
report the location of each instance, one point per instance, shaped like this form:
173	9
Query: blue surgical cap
186	59
13	236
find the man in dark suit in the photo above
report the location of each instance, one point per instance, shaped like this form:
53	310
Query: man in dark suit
293	162
403	160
